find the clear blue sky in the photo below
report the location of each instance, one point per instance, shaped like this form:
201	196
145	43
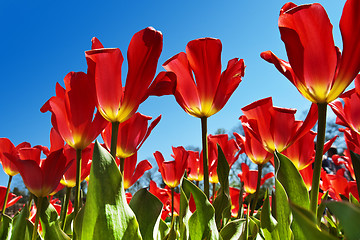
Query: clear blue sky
42	41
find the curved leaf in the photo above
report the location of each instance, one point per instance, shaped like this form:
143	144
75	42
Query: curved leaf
5	227
233	230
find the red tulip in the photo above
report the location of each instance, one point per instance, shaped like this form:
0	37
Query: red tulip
41	176
307	175
172	171
275	127
12	198
132	134
7	148
115	102
230	149
249	177
133	172
212	89
73	111
195	171
316	67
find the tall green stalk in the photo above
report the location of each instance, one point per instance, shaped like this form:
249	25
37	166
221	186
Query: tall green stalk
260	167
78	181
322	107
114	137
64	207
205	155
172	204
6	197
36	224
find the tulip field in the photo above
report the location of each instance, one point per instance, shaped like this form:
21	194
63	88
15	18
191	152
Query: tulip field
97	131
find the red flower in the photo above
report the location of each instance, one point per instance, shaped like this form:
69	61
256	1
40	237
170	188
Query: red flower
172	171
249	177
41	176
12	198
275	127
133	172
73	111
349	114
115	102
316	67
212	89
7	148
229	148
195	167
234	197
307	175
132	134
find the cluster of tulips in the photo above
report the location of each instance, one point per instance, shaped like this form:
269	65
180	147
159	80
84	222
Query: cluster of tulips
305	201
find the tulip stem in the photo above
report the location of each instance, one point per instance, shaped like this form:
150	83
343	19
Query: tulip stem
64	207
241	200
205	156
114	137
172	204
213	195
260	167
122	161
322	107
6	196
38	210
78	182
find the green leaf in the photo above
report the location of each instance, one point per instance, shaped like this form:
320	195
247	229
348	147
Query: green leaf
163	229
106	214
202	222
353	200
5	227
268	222
68	224
348	215
307	222
22	227
233	230
321	207
147	209
222	202
355	159
50	222
184	214
282	211
295	188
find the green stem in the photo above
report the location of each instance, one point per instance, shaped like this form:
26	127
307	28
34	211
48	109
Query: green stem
241	200
172	204
213	195
78	182
6	196
322	107
38	210
122	161
205	155
30	201
114	137
64	207
260	167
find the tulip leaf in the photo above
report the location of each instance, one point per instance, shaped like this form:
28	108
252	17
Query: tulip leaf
5	227
307	222
282	211
348	215
163	229
22	227
184	214
222	202
321	207
353	200
268	222
202	223
233	230
355	159
147	209
50	222
295	188
106	214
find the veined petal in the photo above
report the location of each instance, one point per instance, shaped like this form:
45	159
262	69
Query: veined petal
307	33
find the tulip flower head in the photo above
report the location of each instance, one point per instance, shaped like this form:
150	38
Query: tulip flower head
316	67
195	171
133	172
249	177
212	89
7	148
12	198
172	171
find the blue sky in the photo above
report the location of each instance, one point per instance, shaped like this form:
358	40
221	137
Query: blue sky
42	41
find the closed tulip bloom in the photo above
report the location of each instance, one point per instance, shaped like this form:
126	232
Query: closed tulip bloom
7	148
249	177
172	171
132	134
42	176
73	111
195	171
276	128
210	90
12	199
115	102
316	67
133	171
